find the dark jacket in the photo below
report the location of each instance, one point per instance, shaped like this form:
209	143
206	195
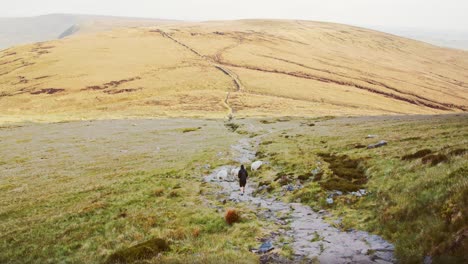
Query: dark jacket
242	175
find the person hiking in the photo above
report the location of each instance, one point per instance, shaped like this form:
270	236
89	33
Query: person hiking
242	175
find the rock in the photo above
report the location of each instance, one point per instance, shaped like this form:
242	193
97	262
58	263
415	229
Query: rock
265	247
427	260
363	191
234	172
329	200
206	166
371	136
222	174
256	165
378	145
316	171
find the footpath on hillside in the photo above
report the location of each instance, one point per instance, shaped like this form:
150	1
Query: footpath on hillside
312	238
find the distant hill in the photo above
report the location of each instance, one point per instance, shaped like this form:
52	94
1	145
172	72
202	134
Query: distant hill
245	67
443	38
14	31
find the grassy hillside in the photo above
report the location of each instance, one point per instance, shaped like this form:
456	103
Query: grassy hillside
417	192
247	67
85	190
22	30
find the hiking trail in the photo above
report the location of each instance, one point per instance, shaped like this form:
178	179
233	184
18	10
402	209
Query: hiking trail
312	238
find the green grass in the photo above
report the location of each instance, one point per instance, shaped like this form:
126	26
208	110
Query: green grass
91	200
418	190
82	191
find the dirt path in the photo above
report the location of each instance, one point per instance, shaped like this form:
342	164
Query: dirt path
312	238
235	79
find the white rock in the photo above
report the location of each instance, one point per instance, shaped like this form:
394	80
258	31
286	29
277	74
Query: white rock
222	174
362	191
234	172
329	200
256	165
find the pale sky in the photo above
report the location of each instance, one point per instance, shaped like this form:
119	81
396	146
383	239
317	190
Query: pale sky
425	14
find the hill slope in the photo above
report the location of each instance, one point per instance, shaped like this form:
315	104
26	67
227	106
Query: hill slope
249	67
21	30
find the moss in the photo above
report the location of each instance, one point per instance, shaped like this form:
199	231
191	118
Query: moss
417	154
140	251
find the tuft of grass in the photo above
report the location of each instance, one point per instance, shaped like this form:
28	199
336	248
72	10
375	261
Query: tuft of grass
316	237
232	216
348	174
142	251
418	154
434	159
458	152
158	192
190	129
232	126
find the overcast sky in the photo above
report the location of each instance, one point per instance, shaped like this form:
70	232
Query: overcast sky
424	14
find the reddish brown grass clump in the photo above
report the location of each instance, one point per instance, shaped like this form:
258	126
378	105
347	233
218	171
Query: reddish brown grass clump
232	216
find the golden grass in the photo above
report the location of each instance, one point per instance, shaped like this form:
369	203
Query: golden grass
283	67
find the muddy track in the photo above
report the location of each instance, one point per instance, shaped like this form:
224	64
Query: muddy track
312	239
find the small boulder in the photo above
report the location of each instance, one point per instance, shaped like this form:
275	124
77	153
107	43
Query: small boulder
256	165
265	247
222	174
329	200
378	145
235	172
